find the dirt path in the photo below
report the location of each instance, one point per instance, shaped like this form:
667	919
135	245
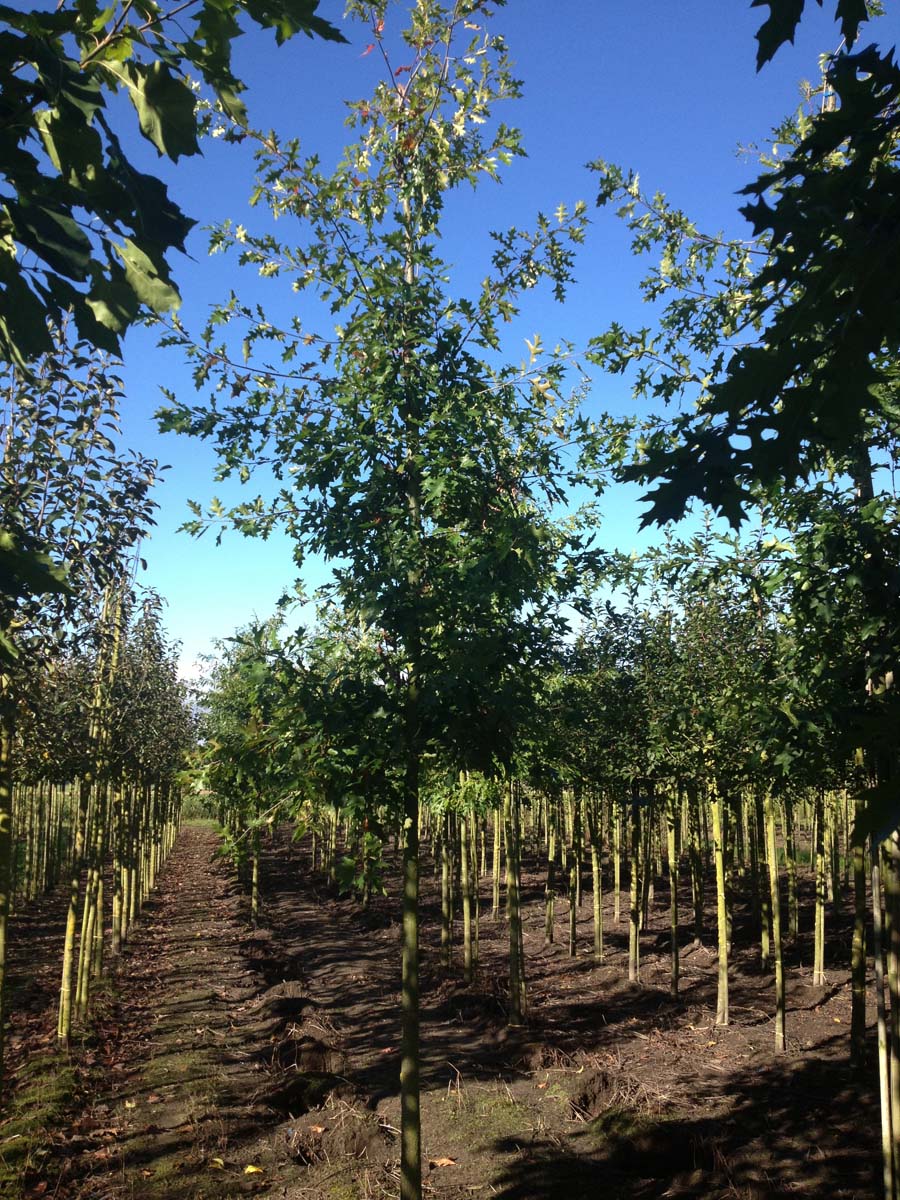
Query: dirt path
185	1079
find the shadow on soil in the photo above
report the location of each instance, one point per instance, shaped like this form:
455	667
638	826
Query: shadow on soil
790	1129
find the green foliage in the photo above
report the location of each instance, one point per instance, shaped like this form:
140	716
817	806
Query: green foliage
785	350
72	506
424	472
784	17
64	170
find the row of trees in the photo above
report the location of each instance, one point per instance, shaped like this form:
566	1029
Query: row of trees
94	724
678	737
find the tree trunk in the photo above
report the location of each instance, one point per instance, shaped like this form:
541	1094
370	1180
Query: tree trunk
858	953
775	907
884	1071
466	890
6	849
721	909
634	908
820	867
410	1118
672	853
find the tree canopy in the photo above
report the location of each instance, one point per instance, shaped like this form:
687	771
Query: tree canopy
81	228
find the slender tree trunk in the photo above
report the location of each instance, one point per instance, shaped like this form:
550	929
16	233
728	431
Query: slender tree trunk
858	953
721	912
517	1003
820	868
790	856
495	891
573	905
446	912
634	908
6	847
64	1023
696	860
775	907
466	890
410	1119
766	923
617	862
596	877
892	940
884	1071
550	885
672	853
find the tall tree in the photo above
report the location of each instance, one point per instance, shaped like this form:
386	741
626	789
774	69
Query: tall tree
419	469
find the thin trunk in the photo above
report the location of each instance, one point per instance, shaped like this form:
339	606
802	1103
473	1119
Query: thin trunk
64	1022
672	852
465	887
410	1117
820	868
884	1081
858	953
446	914
775	906
617	862
495	891
634	908
790	856
696	860
6	850
596	878
517	1006
550	885
765	932
721	910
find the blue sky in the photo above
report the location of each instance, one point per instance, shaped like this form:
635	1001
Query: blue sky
668	89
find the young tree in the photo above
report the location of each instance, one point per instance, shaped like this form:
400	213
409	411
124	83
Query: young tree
419	469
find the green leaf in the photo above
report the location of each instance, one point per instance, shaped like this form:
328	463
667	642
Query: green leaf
53	235
114	302
165	108
27	572
288	17
149	280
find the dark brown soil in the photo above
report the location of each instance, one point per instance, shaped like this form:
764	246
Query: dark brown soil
234	1061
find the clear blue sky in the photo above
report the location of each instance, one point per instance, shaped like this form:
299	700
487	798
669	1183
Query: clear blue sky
668	89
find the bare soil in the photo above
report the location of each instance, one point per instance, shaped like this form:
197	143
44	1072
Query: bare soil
231	1061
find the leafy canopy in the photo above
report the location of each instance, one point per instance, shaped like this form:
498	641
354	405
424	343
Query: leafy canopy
81	228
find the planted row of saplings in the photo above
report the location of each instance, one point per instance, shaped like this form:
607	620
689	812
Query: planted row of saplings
107	842
92	800
637	840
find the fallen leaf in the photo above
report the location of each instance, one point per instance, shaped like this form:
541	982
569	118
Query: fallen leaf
131	1103
316	1128
251	1170
442	1162
217	1163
